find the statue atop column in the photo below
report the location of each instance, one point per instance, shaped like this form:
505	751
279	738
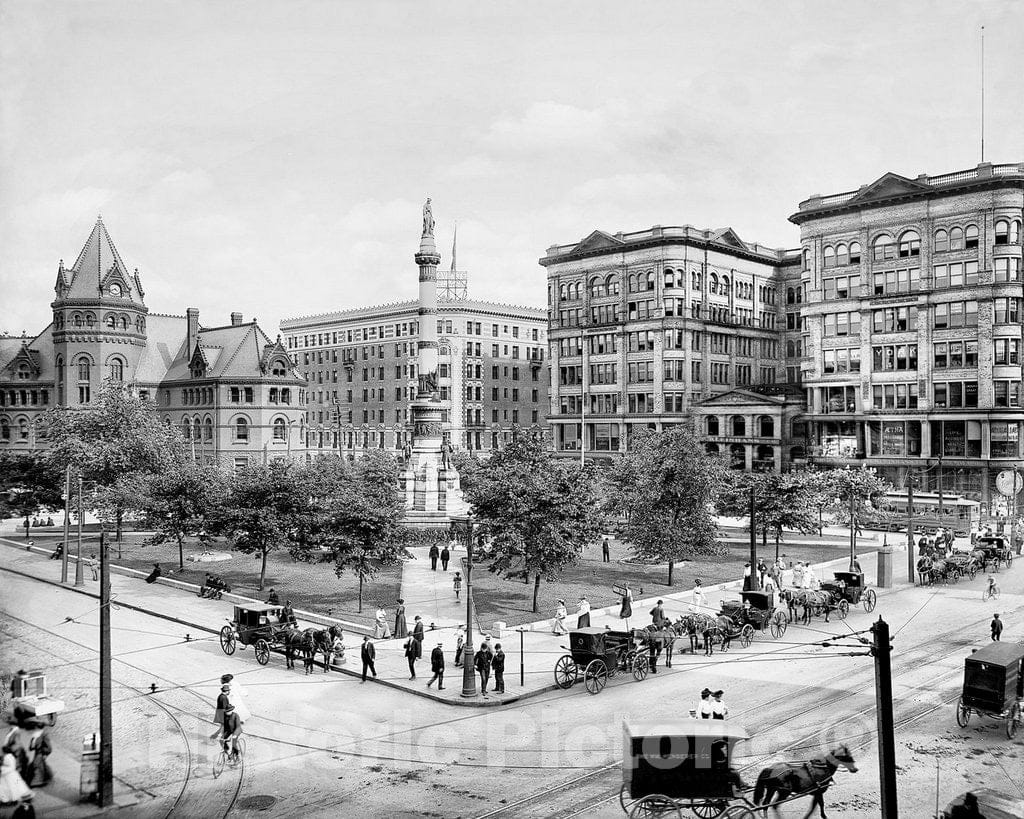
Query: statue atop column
428	220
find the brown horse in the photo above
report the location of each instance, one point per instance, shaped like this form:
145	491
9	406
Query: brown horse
811	778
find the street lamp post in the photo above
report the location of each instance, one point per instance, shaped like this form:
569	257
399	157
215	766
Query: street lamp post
853	526
468	671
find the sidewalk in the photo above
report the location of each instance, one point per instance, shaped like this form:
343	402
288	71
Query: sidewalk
531	651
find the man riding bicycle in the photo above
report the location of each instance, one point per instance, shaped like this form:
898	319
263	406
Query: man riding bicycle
232	729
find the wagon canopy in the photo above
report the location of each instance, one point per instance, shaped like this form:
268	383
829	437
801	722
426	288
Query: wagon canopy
854	580
764	601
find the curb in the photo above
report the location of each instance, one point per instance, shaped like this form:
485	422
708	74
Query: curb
429	695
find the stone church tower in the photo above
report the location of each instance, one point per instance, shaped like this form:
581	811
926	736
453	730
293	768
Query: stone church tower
99	321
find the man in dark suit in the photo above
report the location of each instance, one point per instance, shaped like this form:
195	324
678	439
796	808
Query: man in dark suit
368	653
606	556
434	554
417	636
498	666
445	557
482	663
437	666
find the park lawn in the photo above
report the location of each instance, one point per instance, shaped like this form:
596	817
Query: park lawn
310	587
511	601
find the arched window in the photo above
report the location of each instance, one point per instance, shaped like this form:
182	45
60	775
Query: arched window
910	244
186	428
711	448
83	369
596	288
764	457
767	426
562	293
90	320
116	369
649	279
829	256
883	248
280	429
713	284
1002	231
208	428
696	280
111	321
712	425
723	288
854	252
59	367
278	368
76	319
842	255
941	243
125	323
611	286
669	279
241	430
5	429
739	425
140	324
971	237
790	295
956	239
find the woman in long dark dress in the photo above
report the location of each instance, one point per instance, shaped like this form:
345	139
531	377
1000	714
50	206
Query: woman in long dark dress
401	628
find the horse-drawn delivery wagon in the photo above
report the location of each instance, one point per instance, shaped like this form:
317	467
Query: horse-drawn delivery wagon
994	685
258	627
850	588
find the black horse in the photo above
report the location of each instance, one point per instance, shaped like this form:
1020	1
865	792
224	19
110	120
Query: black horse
295	642
811	778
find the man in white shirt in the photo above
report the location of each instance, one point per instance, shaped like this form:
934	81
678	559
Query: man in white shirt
583	616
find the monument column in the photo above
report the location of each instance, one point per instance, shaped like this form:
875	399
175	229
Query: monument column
432	488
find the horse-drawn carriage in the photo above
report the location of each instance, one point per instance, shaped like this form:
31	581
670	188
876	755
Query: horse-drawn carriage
598	654
669	766
30	702
850	589
994	685
258	627
968	564
759	615
997	551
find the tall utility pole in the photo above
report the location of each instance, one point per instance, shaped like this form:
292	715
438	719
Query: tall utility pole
853	526
67	525
754	586
468	671
938	475
106	783
911	563
583	397
79	580
881	650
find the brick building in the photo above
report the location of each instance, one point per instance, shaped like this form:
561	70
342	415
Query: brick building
911	307
231	390
361	368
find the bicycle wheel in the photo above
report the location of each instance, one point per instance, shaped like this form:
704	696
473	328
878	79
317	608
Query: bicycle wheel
219	763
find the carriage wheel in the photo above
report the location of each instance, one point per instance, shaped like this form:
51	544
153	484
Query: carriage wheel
262	652
954	576
843	609
624	798
566	672
640	668
708	810
1013	721
779	624
746	635
595	677
655	805
972	572
227	640
963	713
870	599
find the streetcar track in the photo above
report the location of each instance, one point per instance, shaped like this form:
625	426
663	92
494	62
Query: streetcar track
189	766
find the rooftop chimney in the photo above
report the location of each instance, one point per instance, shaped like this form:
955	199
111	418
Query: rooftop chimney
236	319
193	330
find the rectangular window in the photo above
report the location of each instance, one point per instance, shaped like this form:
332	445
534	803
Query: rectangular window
1007	311
1007	350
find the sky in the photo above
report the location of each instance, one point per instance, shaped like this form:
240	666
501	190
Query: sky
272	158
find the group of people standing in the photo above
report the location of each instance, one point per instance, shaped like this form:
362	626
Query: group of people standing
562	614
711	705
24	764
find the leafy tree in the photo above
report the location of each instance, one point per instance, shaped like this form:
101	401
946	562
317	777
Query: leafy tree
28	483
782	501
179	503
539	510
666	485
113	439
262	504
853	495
354	517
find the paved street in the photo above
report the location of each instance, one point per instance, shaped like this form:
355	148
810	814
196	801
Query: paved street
327	745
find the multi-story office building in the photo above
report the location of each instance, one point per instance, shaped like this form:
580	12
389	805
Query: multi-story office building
649	327
232	390
911	300
361	369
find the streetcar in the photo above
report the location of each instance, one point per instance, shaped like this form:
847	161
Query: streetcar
960	514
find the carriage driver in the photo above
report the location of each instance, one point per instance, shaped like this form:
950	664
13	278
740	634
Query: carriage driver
232	730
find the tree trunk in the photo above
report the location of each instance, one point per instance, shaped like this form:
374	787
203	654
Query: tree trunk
776	546
360	594
536	590
181	554
671	566
27	525
263	567
120	518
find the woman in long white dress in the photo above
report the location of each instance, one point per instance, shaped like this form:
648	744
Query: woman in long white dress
380	626
12	786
